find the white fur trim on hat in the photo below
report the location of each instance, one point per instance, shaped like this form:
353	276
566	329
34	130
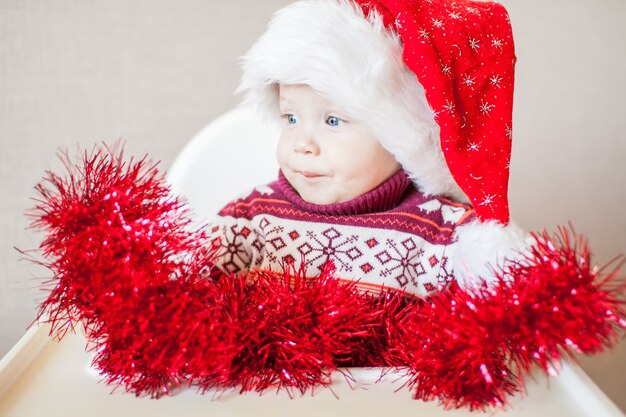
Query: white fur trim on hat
355	63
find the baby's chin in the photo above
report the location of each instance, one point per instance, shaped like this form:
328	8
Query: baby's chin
319	200
322	197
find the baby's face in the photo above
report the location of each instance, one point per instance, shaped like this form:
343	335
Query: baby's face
327	156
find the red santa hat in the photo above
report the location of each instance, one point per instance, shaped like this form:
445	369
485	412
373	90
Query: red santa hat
432	78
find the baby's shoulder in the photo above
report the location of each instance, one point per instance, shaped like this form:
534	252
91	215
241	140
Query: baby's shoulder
438	210
248	201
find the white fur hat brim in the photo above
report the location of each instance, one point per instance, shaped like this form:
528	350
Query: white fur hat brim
356	63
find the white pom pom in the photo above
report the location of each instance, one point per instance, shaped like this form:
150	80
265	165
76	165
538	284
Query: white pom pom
484	246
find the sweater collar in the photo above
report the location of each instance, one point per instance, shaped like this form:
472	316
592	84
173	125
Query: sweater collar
384	197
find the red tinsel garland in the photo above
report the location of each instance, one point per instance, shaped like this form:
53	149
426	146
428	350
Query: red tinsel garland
157	314
547	304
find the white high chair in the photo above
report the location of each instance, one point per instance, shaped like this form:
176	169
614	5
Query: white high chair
40	377
227	158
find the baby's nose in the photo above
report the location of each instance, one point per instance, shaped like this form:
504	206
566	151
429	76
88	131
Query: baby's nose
306	144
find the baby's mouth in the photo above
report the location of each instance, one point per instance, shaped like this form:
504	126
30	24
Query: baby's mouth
310	175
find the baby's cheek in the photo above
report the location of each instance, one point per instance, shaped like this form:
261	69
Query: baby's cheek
281	154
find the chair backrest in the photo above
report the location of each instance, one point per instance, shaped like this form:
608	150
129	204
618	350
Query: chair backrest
232	154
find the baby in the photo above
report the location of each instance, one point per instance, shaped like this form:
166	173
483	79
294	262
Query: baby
394	148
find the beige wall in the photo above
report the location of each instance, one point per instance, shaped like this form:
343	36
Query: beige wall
154	72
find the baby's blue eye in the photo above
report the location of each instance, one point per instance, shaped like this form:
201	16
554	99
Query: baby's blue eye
291	119
333	121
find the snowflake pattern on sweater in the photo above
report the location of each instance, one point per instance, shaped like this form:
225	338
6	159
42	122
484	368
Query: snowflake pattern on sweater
393	236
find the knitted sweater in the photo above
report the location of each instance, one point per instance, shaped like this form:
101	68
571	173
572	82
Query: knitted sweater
392	236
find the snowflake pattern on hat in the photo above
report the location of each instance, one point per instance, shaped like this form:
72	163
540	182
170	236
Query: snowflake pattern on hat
462	52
